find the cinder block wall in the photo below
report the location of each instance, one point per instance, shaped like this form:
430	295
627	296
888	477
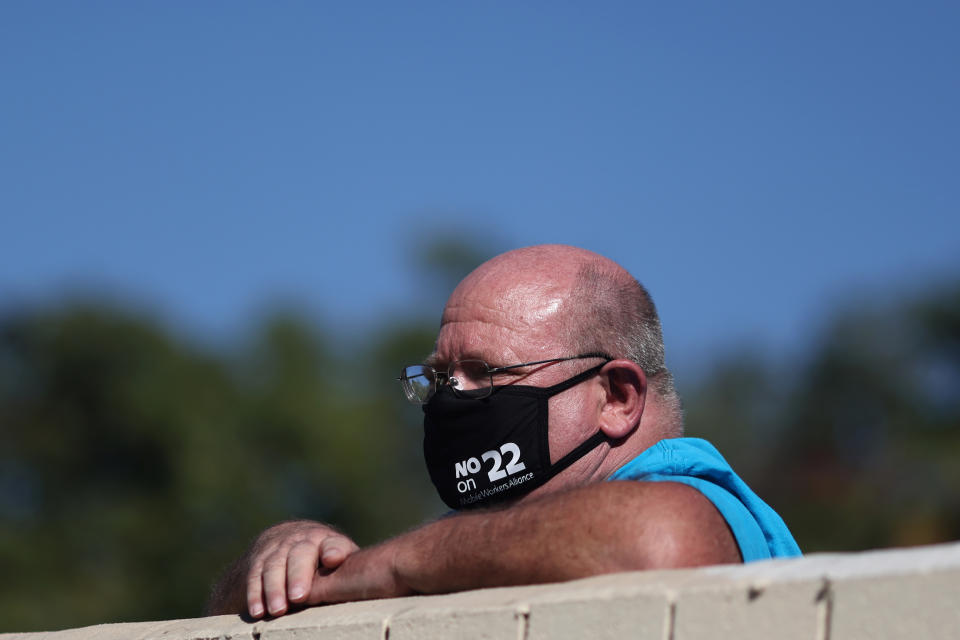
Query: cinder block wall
911	593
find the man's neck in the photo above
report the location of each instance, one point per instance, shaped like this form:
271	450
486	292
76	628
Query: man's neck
656	424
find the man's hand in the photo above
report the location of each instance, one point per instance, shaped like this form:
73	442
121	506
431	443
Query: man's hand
285	559
279	569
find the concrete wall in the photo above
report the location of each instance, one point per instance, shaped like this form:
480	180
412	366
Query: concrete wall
913	593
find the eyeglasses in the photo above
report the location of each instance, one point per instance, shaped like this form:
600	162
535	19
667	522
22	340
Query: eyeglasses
468	378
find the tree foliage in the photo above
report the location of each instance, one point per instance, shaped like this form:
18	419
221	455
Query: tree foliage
857	446
135	465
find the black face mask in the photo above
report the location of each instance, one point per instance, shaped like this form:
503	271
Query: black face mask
483	451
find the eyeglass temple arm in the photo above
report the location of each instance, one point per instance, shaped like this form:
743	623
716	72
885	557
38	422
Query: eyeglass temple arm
528	364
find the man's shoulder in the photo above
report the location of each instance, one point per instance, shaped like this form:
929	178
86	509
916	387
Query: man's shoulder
677	525
695	463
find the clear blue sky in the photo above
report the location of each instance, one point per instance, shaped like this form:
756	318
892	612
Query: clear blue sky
753	163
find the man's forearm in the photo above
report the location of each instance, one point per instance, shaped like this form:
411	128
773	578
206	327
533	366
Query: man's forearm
601	528
558	537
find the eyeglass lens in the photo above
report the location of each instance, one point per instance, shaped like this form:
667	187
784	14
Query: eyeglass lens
468	378
469	375
418	383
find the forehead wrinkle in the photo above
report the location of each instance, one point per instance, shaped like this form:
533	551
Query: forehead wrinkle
459	340
487	313
494	342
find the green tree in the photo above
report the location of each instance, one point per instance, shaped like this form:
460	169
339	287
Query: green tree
135	465
857	446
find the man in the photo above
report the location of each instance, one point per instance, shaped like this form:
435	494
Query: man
548	379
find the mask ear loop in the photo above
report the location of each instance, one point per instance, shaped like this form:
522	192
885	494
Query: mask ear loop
587	445
575	380
578	452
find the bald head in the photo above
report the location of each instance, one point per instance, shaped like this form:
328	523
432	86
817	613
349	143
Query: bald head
571	297
550	261
528	286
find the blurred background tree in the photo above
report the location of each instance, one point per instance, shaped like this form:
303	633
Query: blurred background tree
857	445
136	464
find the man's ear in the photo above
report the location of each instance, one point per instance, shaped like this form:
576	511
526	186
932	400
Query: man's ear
625	385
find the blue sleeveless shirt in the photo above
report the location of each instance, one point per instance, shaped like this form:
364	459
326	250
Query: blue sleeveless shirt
757	528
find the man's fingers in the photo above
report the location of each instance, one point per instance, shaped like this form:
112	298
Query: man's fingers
335	549
285	561
302	563
255	592
275	583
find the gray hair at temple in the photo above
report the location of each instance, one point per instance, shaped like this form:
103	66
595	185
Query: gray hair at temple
613	313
